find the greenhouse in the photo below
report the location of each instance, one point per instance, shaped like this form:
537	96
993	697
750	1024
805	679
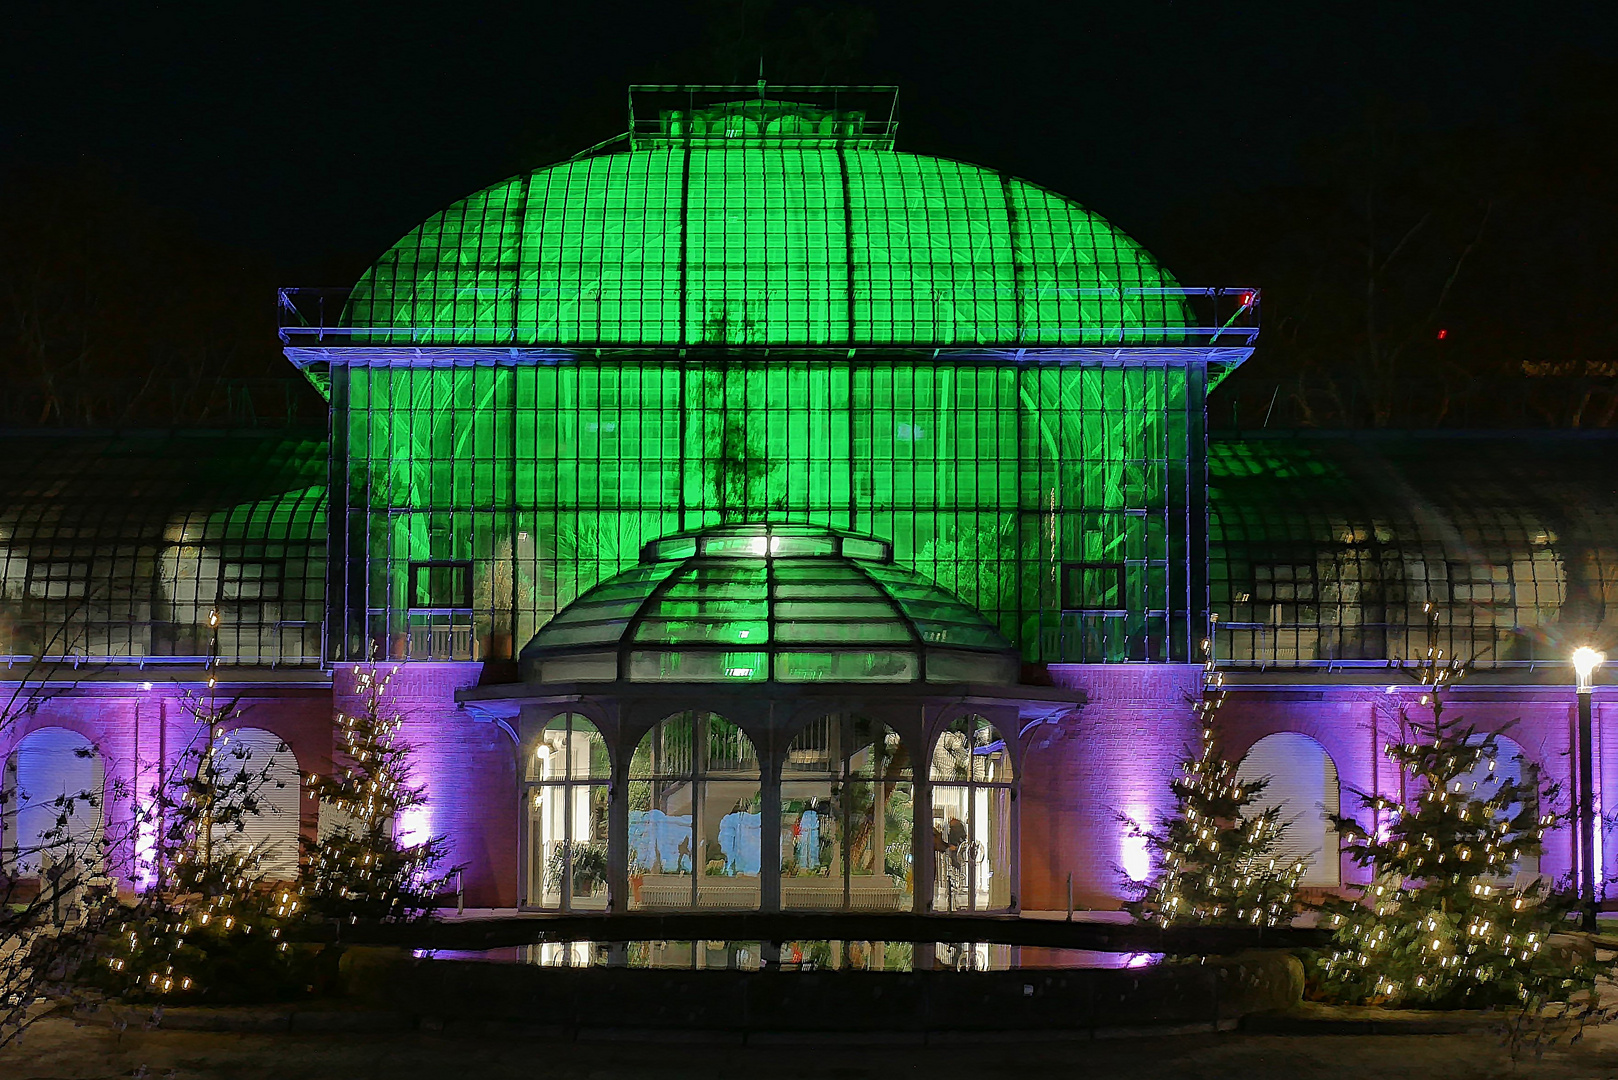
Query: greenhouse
747	514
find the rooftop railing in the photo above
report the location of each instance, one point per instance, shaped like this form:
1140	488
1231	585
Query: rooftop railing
1174	317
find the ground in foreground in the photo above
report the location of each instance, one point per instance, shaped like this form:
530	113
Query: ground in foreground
58	1050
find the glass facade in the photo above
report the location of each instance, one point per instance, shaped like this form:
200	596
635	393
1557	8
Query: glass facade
567	792
478	500
1328	549
830	817
116	548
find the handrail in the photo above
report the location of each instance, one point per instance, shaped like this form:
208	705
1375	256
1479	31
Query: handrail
1226	316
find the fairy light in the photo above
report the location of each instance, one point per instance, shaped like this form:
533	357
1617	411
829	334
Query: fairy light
1441	923
214	899
1217	856
366	865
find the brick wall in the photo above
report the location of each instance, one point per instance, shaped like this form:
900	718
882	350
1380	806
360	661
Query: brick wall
1115	756
468	769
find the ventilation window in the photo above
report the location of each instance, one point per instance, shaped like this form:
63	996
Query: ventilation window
441	586
1474	583
58	580
250	581
1093	587
1284	583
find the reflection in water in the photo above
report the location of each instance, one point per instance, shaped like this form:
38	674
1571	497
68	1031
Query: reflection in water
900	956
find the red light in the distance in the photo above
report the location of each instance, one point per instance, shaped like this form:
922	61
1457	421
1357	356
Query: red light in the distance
1442	334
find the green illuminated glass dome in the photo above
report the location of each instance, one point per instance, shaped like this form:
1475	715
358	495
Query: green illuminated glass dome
764	223
757	602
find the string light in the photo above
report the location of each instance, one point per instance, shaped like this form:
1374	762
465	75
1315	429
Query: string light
213	896
1442	922
1217	855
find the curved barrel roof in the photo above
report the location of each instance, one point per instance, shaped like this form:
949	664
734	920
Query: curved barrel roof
1329	547
116	546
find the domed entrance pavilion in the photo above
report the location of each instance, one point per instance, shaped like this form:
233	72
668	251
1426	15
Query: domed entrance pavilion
766	716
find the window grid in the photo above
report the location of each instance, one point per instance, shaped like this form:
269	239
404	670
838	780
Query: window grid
986	477
1332	548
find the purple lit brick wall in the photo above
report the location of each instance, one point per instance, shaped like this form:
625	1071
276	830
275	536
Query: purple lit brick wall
1118	753
1355	724
1115	756
468	769
142	735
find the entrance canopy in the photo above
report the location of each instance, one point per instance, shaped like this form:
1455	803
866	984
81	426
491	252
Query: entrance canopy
756	603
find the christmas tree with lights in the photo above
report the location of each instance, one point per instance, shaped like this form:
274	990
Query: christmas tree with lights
211	921
1218	854
361	868
1445	921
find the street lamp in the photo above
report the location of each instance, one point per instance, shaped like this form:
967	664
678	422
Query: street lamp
1585	662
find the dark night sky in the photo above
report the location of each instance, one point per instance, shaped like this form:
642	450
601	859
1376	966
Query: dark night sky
317	134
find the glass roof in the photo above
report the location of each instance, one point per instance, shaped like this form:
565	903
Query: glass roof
757	602
1331	547
117	546
828	240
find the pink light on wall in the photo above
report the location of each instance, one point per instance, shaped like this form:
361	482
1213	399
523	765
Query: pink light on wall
413	826
1133	854
145	869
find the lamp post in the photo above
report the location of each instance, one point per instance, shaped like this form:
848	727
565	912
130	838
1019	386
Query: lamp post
1585	662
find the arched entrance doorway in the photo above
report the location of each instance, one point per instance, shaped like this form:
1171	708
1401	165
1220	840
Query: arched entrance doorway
257	784
847	817
694	815
973	779
566	793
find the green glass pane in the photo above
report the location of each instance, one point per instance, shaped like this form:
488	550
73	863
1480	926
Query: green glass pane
692	665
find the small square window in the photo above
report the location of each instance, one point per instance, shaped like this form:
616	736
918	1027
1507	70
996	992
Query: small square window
1093	587
440	585
1479	583
1286	583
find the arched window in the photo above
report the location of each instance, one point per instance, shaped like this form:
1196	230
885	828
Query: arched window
972	788
566	778
694	815
256	783
1303	783
846	817
1511	765
52	803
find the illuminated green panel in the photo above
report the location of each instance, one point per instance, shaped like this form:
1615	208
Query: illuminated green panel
792	602
764	245
1053	498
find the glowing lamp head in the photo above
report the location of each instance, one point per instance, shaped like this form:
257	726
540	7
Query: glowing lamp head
1585	662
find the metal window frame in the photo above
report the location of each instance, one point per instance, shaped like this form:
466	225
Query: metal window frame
414	585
